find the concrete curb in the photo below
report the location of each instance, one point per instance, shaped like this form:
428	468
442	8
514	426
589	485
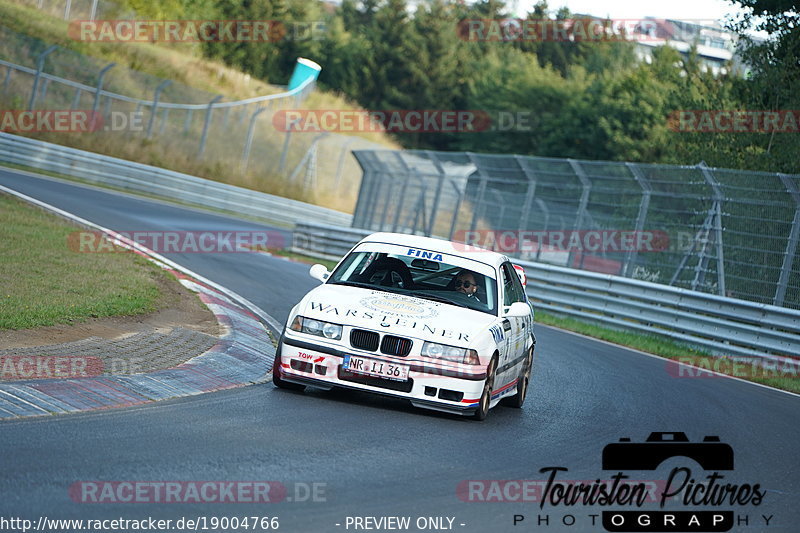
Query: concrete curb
243	356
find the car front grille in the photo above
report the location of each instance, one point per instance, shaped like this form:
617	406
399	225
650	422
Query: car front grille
370	340
398	346
364	340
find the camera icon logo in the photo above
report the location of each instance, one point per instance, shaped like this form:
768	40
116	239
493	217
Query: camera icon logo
711	454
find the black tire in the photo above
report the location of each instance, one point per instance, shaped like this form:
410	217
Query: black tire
518	399
486	395
276	373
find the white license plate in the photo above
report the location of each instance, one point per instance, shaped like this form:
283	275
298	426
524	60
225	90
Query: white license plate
373	367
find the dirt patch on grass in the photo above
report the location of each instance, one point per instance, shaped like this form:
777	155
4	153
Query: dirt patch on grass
178	307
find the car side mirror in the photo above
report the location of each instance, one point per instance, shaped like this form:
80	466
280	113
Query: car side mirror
319	272
518	310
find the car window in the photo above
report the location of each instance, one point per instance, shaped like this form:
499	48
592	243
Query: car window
519	289
512	287
428	279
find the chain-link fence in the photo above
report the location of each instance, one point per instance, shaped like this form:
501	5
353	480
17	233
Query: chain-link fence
728	232
189	126
79	9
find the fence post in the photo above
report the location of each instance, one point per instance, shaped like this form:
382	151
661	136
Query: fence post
362	157
107	108
716	225
249	140
206	123
45	85
529	195
644	205
67	9
187	122
340	166
584	202
7	79
154	107
99	88
791	245
39	67
310	160
587	189
93	12
285	151
543	206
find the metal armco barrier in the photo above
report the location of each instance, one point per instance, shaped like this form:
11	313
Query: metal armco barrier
720	325
324	241
159	182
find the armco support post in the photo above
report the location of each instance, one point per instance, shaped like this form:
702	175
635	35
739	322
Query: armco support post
206	124
39	67
154	107
249	140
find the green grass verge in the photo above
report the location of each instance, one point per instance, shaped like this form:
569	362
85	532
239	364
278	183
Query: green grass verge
666	348
44	282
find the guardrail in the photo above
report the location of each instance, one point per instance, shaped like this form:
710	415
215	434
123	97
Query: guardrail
721	325
161	183
325	242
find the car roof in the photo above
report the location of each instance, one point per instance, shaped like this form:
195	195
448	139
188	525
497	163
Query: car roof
434	244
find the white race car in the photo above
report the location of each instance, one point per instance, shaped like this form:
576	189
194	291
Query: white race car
444	325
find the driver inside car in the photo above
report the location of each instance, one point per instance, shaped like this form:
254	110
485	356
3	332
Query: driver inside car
465	283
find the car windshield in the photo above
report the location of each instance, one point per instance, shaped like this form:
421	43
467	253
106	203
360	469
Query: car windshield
423	278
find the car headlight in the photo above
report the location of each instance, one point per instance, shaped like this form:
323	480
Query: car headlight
450	353
316	327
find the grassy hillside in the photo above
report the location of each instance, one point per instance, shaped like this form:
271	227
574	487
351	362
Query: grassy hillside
140	68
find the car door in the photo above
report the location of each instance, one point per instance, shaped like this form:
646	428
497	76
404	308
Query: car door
528	337
515	328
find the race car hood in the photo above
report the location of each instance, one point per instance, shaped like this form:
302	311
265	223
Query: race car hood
396	314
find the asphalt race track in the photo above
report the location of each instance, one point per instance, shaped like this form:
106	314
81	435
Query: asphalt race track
376	457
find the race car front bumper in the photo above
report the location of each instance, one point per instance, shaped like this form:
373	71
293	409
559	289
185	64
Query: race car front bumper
429	385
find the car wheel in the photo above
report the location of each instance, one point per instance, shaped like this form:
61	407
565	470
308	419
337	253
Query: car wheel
276	373
486	396
518	399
